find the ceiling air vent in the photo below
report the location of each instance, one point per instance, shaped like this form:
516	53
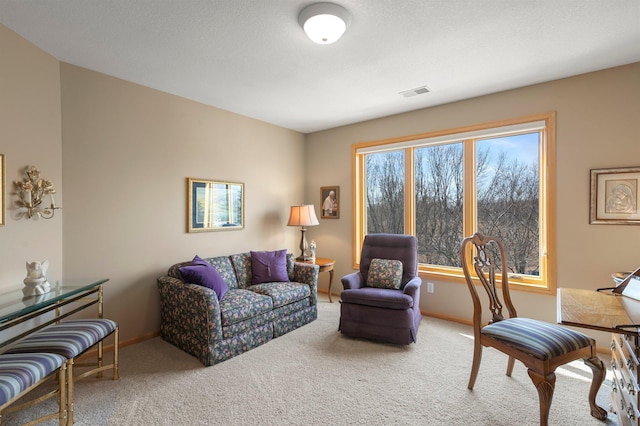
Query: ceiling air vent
413	92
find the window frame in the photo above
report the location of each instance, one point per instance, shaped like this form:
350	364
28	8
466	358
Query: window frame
545	283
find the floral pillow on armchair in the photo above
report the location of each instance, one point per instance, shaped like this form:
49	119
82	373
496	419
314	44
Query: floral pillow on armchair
385	273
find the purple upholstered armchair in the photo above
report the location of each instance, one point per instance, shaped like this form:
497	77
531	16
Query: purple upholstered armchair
382	301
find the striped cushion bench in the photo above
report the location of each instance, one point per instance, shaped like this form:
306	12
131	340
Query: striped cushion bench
20	373
70	339
537	338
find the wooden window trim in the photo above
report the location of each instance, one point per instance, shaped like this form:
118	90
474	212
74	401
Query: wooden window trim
547	283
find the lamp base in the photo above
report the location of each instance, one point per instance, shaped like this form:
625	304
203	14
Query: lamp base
303	246
304	258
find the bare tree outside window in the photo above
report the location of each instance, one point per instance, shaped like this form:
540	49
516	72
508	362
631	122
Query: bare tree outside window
507	197
385	192
439	190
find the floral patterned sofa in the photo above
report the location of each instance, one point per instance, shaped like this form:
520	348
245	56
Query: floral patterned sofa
212	328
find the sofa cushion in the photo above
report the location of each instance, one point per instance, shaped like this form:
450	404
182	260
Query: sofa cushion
291	263
242	267
269	266
283	293
223	265
240	305
202	273
385	273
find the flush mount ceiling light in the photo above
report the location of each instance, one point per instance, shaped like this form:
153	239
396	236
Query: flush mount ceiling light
324	23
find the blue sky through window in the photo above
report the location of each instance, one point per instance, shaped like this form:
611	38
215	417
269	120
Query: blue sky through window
523	147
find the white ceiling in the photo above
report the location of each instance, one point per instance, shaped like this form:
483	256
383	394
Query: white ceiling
251	56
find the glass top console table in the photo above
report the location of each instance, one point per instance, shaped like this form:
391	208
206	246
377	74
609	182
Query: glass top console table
65	299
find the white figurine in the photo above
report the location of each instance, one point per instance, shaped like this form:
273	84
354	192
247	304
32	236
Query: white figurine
35	282
313	250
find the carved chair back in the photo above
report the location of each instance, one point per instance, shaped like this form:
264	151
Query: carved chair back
486	256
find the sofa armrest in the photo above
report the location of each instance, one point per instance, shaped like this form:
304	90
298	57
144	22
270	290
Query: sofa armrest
189	315
352	281
307	273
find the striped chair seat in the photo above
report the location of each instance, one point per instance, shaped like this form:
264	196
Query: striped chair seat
537	338
19	372
68	338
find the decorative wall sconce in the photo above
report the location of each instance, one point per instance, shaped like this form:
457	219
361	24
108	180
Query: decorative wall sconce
31	192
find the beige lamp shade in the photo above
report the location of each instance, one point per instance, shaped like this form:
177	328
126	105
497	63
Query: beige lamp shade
304	215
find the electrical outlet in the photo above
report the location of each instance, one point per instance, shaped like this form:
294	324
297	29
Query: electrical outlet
429	287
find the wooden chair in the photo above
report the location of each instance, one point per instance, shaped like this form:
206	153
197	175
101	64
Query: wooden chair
540	346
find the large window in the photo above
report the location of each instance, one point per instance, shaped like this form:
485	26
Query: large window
440	187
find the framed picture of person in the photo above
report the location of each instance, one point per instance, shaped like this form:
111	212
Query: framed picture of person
329	202
614	196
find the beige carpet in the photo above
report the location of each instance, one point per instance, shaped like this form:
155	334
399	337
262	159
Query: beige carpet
314	375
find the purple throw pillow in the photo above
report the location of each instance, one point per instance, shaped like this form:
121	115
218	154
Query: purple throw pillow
202	273
269	266
197	260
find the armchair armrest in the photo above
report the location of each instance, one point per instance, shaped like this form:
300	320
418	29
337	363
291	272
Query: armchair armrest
190	316
412	288
352	281
307	273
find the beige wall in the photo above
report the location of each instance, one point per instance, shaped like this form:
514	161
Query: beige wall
29	135
128	151
598	123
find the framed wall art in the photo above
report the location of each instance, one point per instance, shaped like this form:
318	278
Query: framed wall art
330	202
614	196
214	205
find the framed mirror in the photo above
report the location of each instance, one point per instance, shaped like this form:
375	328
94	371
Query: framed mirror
214	205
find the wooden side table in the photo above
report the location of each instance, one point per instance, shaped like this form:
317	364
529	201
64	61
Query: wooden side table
326	265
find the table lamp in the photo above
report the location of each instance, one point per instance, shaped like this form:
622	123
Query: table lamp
304	215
